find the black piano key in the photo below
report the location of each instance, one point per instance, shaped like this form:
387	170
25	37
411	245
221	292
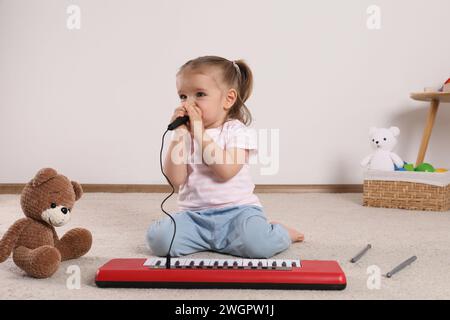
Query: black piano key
260	265
294	264
274	265
250	264
225	264
235	264
284	264
177	264
158	263
216	264
191	264
201	264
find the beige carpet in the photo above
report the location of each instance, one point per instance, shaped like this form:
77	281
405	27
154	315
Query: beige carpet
336	226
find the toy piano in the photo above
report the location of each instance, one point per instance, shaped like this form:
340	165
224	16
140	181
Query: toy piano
221	273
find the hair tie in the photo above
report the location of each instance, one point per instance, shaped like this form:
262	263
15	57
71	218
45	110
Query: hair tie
236	66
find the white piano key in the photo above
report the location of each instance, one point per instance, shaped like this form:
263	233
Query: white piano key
197	262
255	263
230	263
226	263
236	263
183	262
155	262
190	263
180	263
209	263
193	263
221	262
173	263
246	263
149	262
160	263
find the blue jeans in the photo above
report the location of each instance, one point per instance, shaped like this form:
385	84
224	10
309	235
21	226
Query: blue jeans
237	230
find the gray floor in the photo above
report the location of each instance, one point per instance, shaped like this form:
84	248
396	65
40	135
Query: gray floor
336	227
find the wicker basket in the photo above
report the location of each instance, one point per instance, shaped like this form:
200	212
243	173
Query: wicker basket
407	190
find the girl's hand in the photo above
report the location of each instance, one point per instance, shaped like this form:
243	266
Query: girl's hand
195	121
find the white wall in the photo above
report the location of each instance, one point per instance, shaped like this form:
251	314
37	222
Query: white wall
93	103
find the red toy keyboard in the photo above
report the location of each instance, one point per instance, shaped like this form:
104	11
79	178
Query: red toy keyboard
221	273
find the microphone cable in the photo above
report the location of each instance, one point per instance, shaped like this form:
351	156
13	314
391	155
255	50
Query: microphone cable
162	203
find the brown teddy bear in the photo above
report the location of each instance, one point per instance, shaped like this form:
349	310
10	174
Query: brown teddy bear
47	202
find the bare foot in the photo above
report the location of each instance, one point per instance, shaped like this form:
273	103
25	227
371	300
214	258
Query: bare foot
294	234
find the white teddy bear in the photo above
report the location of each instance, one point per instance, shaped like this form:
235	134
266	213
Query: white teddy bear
384	141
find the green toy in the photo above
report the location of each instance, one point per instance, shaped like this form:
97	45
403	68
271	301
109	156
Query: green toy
409	167
425	167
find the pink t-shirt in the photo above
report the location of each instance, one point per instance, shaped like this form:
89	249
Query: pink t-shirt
203	189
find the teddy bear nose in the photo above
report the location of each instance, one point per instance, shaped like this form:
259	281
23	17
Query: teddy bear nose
377	142
64	210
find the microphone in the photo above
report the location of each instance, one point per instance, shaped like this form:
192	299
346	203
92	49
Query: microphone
178	122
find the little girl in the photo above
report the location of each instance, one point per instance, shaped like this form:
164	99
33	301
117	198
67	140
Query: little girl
218	209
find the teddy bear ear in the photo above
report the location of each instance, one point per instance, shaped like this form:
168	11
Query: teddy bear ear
78	190
395	131
372	130
43	175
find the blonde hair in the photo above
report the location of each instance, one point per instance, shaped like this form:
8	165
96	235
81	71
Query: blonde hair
241	80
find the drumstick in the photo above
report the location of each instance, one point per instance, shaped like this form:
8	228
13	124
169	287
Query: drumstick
359	255
401	266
